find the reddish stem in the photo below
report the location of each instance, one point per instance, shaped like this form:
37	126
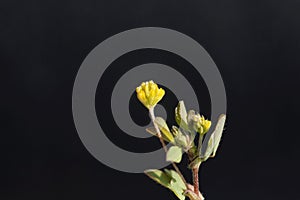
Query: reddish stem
196	180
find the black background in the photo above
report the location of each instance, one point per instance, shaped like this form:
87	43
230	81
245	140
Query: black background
255	45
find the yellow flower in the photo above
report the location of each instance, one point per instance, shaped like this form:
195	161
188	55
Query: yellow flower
149	94
201	124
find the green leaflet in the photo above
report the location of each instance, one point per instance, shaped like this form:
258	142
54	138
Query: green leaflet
174	154
214	139
181	115
177	184
159	176
218	133
163	127
169	179
152	131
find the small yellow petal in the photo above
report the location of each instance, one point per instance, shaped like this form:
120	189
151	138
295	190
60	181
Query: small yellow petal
138	89
142	97
147	91
143	85
151	96
161	93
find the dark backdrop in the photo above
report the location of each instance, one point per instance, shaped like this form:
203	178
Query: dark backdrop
255	45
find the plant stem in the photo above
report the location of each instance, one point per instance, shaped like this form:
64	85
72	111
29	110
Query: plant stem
195	171
152	115
196	179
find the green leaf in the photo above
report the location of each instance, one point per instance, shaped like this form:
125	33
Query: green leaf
159	176
163	127
152	131
214	139
200	143
174	154
176	185
169	179
218	133
209	149
181	115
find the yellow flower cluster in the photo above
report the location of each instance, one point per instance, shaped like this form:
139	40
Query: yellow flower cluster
149	94
201	124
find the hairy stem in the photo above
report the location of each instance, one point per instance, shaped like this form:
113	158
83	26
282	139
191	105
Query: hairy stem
195	171
196	179
151	111
152	115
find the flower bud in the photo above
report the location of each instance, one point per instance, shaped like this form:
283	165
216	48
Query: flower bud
199	123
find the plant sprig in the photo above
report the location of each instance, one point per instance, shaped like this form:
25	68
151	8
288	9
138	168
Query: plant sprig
182	139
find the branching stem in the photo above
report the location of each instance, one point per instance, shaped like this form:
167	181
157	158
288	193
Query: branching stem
152	115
